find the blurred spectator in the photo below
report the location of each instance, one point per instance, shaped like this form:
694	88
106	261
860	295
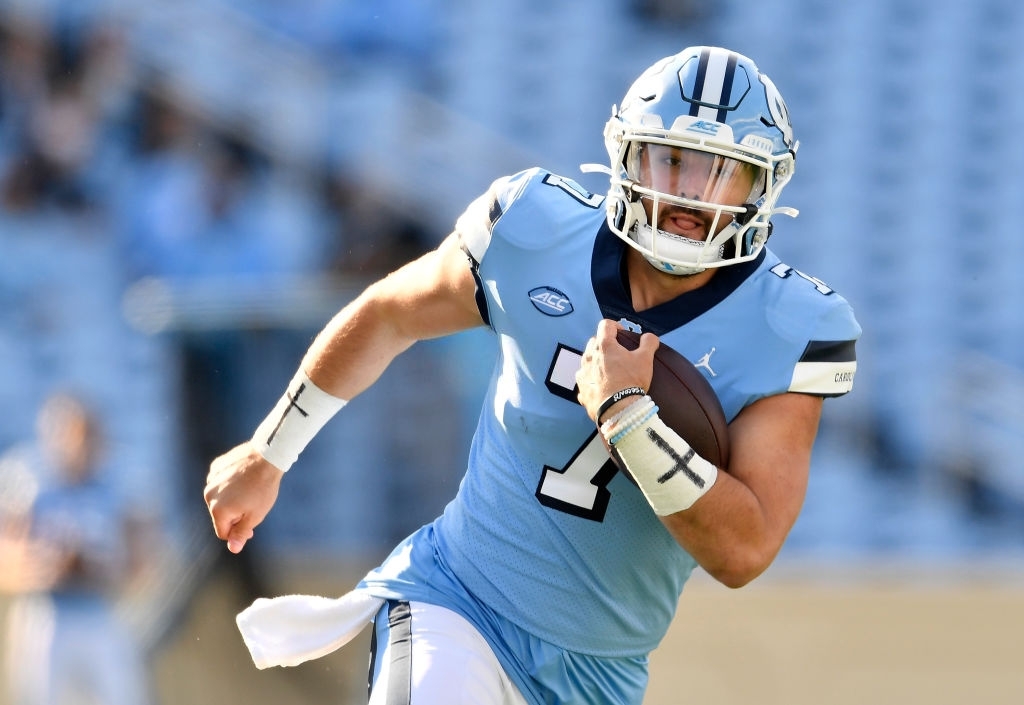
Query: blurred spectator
67	553
409	36
61	97
369	234
679	12
196	203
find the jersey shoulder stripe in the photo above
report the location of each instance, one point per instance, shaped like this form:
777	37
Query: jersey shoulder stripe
826	368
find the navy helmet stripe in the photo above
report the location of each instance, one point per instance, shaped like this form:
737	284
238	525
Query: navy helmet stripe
730	73
698	86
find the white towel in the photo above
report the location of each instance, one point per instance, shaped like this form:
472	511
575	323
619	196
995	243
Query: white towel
291	629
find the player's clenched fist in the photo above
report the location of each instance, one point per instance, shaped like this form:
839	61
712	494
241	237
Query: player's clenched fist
241	488
609	369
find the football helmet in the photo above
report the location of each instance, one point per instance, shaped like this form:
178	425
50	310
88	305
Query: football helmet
700	148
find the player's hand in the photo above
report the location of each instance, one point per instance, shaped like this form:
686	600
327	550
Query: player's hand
241	487
608	367
29	564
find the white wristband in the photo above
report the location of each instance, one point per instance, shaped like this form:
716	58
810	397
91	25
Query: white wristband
668	471
293	422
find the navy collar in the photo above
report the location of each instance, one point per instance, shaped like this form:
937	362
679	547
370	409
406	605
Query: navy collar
611	286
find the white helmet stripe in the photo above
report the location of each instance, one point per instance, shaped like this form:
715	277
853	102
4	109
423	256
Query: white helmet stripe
714	83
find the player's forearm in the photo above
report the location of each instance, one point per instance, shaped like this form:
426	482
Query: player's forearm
429	297
738	527
727	533
354	348
347	356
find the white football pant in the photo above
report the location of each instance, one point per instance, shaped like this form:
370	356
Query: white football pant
427	655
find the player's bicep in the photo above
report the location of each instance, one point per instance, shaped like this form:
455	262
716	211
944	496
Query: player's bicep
771	443
432	296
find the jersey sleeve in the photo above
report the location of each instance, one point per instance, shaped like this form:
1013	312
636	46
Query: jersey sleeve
829	360
475	227
476	224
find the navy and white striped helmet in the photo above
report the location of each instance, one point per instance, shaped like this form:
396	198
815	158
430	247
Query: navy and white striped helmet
710	106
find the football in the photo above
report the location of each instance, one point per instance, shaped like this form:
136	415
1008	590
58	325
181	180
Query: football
686	401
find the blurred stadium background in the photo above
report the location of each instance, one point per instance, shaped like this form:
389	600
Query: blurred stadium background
188	190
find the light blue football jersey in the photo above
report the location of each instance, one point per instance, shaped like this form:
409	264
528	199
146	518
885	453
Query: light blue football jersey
544	533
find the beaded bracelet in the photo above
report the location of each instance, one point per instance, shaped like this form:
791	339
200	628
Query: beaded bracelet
628	417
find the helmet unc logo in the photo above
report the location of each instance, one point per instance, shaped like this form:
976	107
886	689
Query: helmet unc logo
778	109
550	301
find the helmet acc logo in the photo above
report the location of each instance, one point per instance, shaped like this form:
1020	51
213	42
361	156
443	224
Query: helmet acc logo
705	126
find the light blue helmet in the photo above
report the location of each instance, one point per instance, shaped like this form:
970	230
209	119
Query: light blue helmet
714	102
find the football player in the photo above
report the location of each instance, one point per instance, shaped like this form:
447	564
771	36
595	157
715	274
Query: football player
550	576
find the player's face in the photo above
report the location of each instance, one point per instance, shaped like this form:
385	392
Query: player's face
69	438
694	175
